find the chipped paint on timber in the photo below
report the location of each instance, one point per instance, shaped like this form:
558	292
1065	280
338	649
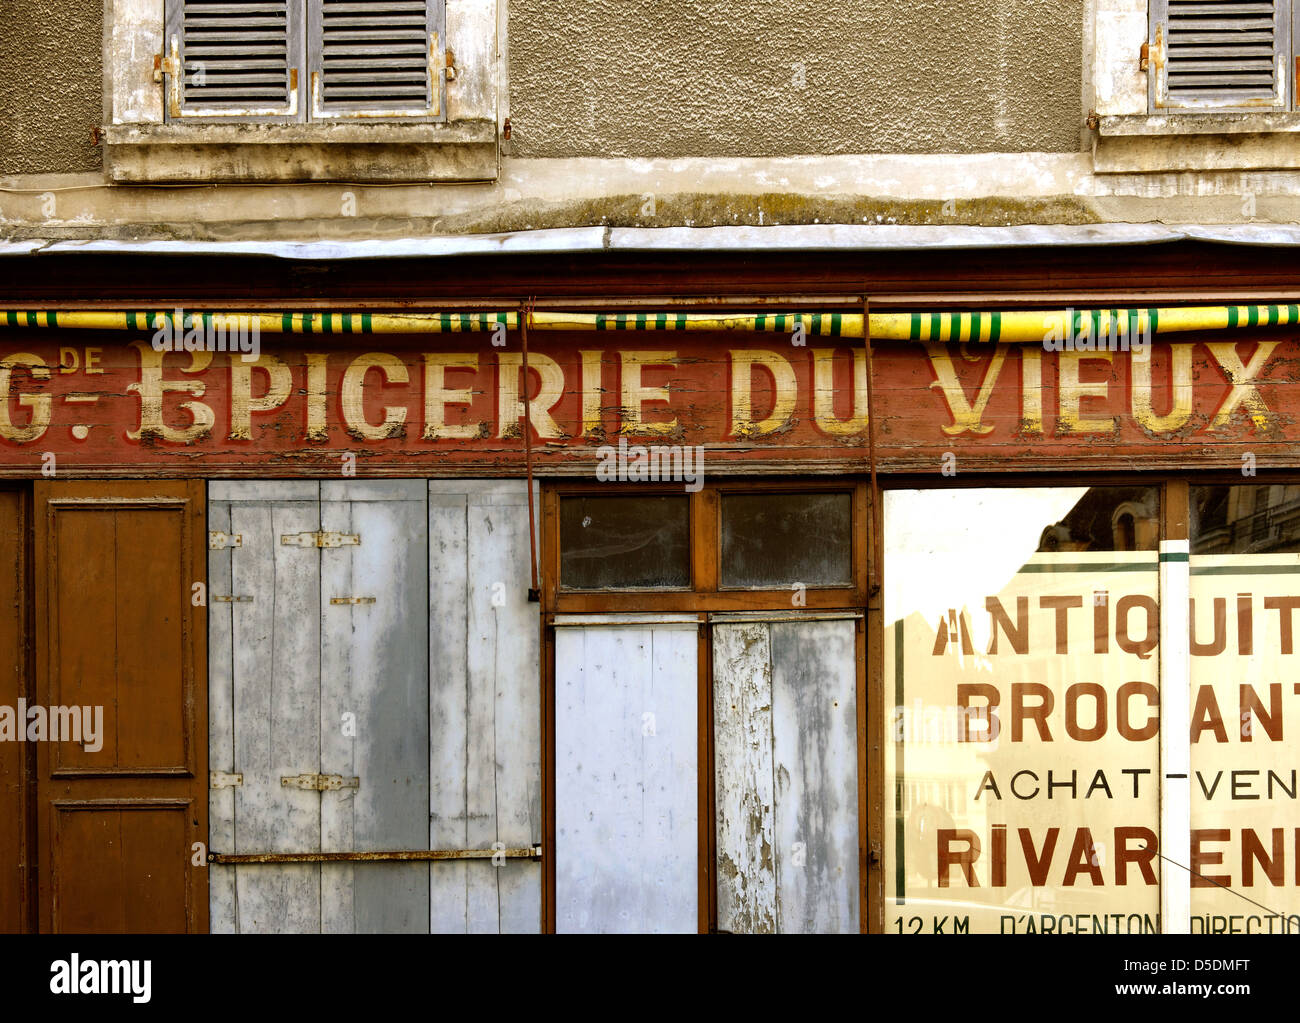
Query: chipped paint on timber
745	805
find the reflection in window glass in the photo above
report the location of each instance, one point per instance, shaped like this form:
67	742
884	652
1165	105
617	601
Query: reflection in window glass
1245	592
782	539
624	543
1021	659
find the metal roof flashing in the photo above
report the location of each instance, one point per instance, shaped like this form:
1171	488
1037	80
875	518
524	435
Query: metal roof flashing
807	238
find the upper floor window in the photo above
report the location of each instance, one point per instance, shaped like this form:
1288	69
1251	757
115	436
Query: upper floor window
303	60
1231	55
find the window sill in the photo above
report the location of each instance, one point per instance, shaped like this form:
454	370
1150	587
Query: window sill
1197	142
1208	123
179	153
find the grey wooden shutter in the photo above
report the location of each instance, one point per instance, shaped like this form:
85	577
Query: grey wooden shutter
1220	54
234	59
376	59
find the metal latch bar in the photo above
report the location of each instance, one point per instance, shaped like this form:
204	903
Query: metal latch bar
417	855
321	538
319	782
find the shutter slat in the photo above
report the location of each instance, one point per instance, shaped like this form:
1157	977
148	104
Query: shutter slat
235	54
1221	51
375	56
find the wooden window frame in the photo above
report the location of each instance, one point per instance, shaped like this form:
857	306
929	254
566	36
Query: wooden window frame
304	65
704	594
1285	50
702	598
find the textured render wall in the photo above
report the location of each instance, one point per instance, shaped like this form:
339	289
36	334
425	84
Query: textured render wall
51	85
704	77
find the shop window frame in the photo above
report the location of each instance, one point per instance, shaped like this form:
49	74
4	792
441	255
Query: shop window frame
703	598
706	594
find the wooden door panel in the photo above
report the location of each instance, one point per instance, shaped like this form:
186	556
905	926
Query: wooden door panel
626	787
786	770
375	704
115	566
484	706
120	654
132	842
265	663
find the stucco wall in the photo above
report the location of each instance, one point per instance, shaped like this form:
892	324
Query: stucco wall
702	77
51	85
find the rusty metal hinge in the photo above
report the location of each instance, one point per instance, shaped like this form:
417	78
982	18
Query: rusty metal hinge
164	66
319	782
232	599
1092	120
219	541
321	539
352	600
222	780
1144	57
450	63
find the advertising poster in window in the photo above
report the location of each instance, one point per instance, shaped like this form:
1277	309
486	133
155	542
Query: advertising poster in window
1022	754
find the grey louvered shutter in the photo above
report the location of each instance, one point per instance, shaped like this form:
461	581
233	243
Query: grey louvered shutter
234	59
1220	54
376	59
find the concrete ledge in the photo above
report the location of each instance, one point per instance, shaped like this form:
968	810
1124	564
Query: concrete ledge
211	153
1226	151
1253	123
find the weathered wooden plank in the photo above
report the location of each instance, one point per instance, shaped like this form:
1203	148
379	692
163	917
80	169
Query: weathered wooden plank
221	722
276	709
448	707
626	778
504	661
815	766
743	772
484	705
374	703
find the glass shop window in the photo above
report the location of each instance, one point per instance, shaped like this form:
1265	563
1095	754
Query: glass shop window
1022	767
779	539
1245	691
625	543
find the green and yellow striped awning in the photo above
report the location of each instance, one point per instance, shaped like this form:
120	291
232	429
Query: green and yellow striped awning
1032	326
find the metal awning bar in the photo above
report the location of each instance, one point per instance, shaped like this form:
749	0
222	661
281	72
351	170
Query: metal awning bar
1008	325
413	856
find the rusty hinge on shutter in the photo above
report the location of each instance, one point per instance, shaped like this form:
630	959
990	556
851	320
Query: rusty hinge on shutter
352	600
222	780
232	599
321	539
219	541
450	63
319	782
165	66
1144	57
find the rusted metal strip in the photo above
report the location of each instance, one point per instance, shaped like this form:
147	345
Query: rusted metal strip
415	855
877	547
534	591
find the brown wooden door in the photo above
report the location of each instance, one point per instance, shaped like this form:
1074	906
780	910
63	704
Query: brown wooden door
116	628
16	910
